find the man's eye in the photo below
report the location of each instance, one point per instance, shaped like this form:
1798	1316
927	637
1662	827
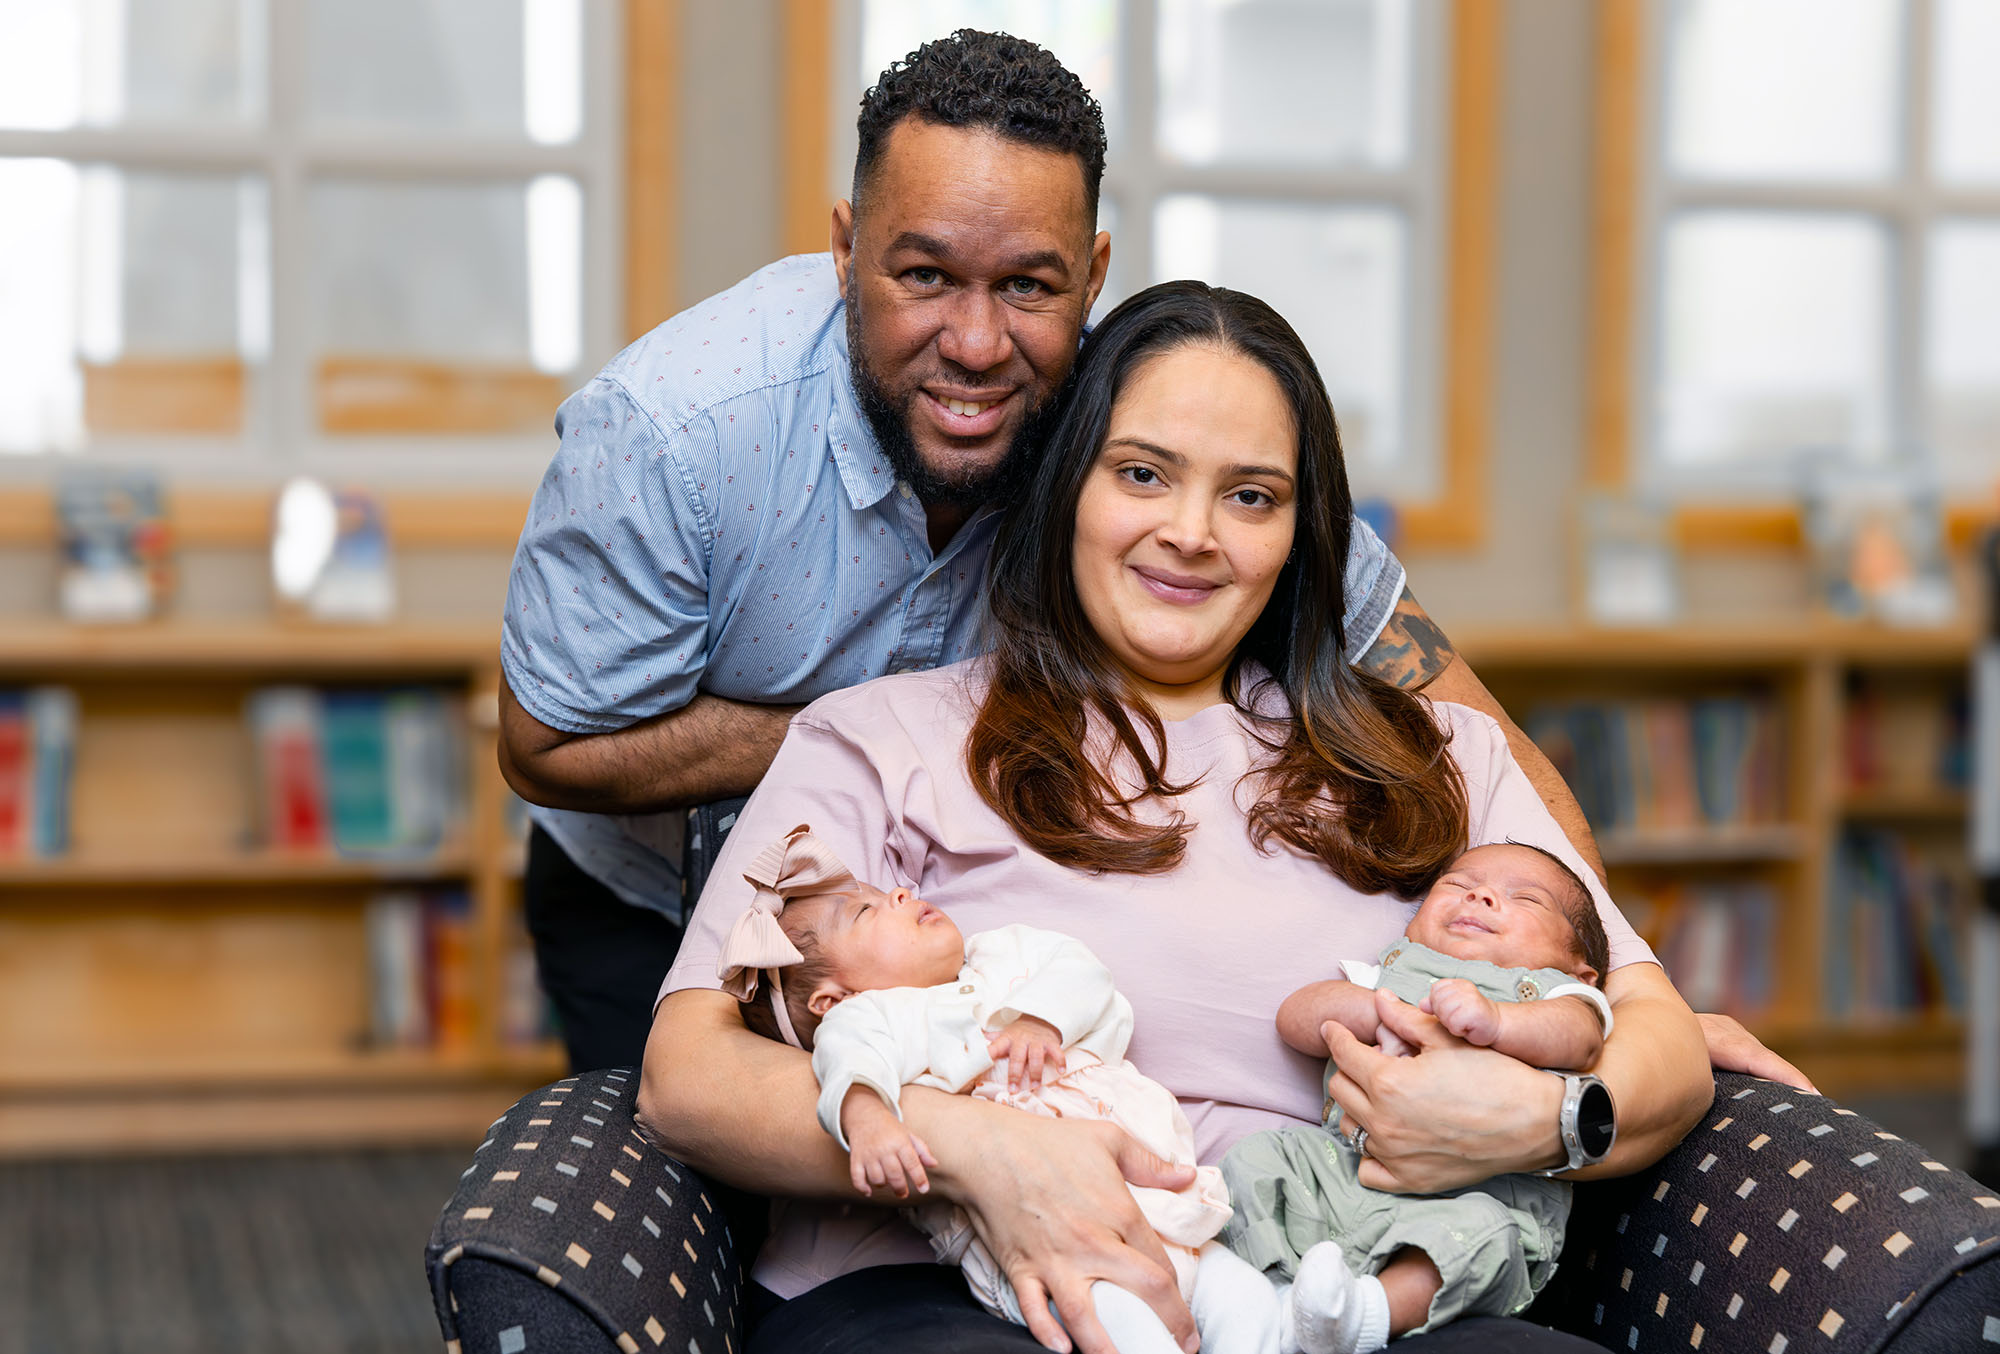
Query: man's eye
926	277
1023	286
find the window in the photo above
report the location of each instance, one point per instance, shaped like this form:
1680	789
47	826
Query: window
370	238
1823	246
1294	149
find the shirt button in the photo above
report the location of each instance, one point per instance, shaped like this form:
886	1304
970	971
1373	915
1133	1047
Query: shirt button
903	489
1391	958
1525	990
965	990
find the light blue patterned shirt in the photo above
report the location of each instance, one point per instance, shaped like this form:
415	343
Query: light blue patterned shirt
719	518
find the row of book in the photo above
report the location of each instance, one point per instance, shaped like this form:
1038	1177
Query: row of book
1906	739
1667	765
362	772
1716	938
37	768
1895	927
422	984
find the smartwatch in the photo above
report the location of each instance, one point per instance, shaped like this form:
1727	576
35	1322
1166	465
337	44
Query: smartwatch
1588	1121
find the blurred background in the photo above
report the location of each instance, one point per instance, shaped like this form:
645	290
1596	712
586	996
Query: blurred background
1665	336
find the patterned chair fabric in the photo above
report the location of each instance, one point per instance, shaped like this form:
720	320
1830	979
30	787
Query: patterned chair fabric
1782	1224
566	1212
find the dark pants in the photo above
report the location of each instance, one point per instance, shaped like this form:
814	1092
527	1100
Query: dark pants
900	1308
601	960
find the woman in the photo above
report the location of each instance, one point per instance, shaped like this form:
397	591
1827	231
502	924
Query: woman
1166	758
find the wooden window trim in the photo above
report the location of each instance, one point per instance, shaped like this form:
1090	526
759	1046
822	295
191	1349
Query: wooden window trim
1623	77
1456	518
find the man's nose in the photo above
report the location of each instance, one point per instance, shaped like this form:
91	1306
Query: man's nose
975	334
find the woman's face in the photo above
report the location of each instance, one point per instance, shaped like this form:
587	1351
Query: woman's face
1186	520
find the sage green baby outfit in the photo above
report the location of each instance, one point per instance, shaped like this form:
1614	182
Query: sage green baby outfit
1495	1244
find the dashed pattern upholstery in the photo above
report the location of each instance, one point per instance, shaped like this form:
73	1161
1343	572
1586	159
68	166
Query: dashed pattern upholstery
1783	1223
566	1191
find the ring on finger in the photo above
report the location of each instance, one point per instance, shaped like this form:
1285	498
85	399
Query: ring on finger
1360	1141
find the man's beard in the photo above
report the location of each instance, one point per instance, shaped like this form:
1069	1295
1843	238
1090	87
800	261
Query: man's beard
890	422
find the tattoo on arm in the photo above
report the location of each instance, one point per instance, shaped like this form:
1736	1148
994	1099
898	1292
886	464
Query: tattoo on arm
1411	650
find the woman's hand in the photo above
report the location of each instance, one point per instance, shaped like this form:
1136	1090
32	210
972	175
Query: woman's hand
1451	1116
1049	1199
1731	1048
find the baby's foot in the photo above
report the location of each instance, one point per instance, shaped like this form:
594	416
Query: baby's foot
1333	1310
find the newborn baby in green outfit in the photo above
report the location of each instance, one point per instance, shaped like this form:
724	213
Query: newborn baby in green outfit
1507	951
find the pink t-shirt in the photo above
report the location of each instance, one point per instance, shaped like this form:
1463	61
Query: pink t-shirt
1205	954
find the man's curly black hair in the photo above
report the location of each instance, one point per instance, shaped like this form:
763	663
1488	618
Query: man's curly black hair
994	81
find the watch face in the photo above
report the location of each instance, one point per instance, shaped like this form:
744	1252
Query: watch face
1595	1124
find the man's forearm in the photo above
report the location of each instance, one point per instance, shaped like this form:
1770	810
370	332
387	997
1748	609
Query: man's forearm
709	749
1412	652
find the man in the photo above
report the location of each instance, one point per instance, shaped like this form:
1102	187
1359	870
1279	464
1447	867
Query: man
793	486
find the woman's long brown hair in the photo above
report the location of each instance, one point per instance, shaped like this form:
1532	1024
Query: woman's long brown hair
1358	774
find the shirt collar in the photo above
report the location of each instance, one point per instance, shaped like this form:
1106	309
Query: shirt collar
864	469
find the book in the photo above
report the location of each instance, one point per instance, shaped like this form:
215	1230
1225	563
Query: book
37	767
449	983
116	550
1667	766
286	741
355	748
398	1007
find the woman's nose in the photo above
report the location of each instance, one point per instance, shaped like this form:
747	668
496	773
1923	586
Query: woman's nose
1187	527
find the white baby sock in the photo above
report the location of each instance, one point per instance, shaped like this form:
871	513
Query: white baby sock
1333	1310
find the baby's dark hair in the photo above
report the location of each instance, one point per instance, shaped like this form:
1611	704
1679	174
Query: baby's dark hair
799	980
1586	928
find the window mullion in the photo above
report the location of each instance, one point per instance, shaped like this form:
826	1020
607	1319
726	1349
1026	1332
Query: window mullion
1139	172
290	375
1909	354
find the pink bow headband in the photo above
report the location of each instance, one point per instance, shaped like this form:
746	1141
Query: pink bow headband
798	865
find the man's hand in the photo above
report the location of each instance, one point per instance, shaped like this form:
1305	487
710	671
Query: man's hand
1049	1198
881	1152
1451	1116
1032	1050
1731	1048
1464	1010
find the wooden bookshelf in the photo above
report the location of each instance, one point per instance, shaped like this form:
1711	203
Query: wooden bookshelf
1811	671
167	984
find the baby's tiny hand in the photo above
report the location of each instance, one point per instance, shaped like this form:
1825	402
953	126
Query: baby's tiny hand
1032	1050
1462	1009
881	1152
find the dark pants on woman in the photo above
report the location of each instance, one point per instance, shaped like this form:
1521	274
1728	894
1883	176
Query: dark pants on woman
909	1308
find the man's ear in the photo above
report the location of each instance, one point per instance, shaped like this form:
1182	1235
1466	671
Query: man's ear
840	238
1100	267
825	997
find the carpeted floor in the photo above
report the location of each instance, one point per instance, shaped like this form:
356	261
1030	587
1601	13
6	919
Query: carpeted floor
305	1254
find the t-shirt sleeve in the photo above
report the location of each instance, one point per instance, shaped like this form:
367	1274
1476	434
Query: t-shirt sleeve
828	780
1374	582
607	600
1503	806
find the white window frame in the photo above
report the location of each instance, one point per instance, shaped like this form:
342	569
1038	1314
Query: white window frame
280	437
1137	176
1907	205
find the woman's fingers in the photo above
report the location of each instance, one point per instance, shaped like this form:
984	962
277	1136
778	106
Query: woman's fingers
1731	1048
1140	1165
1038	1314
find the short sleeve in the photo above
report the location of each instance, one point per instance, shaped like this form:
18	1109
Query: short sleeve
1374	582
1504	806
827	780
607	601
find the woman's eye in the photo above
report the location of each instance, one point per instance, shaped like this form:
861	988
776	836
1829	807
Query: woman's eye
1141	474
1252	498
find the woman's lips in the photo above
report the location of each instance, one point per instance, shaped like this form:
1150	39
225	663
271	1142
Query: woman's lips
958	417
1181	589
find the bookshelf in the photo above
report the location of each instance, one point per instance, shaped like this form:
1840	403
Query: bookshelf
168	982
1866	719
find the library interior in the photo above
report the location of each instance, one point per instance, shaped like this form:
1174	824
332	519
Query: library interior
1664	339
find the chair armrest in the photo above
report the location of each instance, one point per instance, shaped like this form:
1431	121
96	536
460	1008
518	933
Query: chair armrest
1781	1221
566	1193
